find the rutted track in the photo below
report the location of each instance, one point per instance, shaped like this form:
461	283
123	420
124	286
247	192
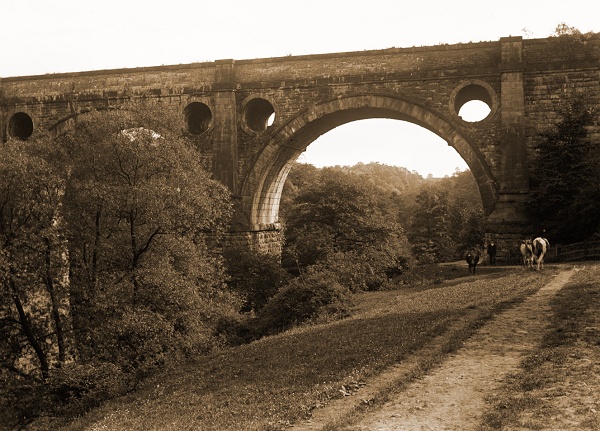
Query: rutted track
452	396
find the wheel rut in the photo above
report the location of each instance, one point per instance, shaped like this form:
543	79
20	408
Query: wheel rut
452	395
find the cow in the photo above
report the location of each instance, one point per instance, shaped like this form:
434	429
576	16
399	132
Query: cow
472	259
527	253
539	246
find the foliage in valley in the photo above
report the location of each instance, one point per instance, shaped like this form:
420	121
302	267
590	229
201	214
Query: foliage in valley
377	219
109	271
348	229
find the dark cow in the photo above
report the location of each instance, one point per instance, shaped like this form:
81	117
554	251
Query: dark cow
472	259
540	246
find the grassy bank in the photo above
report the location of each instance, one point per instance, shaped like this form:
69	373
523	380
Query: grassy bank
280	380
556	387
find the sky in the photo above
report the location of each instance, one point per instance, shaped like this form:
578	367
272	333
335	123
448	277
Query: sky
52	36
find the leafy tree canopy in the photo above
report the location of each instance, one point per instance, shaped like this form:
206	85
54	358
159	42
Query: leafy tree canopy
565	176
338	218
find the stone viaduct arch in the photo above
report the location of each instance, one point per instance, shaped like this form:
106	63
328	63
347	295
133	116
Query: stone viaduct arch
262	187
229	108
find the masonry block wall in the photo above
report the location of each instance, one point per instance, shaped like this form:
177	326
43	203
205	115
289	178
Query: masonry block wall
229	105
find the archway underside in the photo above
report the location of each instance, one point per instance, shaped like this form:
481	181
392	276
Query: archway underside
261	192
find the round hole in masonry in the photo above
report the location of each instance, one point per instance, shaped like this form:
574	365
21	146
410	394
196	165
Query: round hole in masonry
20	126
473	103
259	114
197	116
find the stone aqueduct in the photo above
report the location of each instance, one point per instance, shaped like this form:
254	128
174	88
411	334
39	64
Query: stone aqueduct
227	105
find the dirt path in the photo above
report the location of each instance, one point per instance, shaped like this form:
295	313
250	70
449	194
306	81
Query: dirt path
452	396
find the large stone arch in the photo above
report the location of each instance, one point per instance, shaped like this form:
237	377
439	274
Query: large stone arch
262	187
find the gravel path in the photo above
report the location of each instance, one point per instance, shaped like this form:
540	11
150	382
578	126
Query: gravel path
452	396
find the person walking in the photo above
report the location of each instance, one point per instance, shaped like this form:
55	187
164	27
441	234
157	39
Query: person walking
491	251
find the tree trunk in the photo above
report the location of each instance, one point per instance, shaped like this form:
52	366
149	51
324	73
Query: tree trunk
50	287
29	334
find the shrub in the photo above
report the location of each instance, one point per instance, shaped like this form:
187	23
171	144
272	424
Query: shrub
20	401
314	296
138	341
256	277
74	390
236	330
68	392
367	270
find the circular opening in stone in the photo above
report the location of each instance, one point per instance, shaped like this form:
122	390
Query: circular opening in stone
474	111
197	116
473	103
20	126
259	114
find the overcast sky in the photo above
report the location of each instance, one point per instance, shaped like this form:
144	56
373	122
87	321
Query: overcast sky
49	36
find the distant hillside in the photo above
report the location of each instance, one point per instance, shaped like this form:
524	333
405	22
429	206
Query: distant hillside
389	178
395	180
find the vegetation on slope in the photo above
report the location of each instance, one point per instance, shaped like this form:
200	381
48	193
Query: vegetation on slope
279	380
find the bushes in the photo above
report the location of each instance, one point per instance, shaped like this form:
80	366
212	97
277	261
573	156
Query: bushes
256	277
139	341
235	330
74	390
370	269
314	296
68	392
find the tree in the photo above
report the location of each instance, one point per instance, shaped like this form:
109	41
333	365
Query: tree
564	176
110	224
138	206
300	177
256	277
428	231
570	36
34	300
345	223
465	219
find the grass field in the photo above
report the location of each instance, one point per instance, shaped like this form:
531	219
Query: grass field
279	380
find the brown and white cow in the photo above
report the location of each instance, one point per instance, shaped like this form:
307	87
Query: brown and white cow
540	246
526	249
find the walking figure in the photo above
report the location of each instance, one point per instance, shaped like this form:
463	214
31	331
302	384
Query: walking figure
491	251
